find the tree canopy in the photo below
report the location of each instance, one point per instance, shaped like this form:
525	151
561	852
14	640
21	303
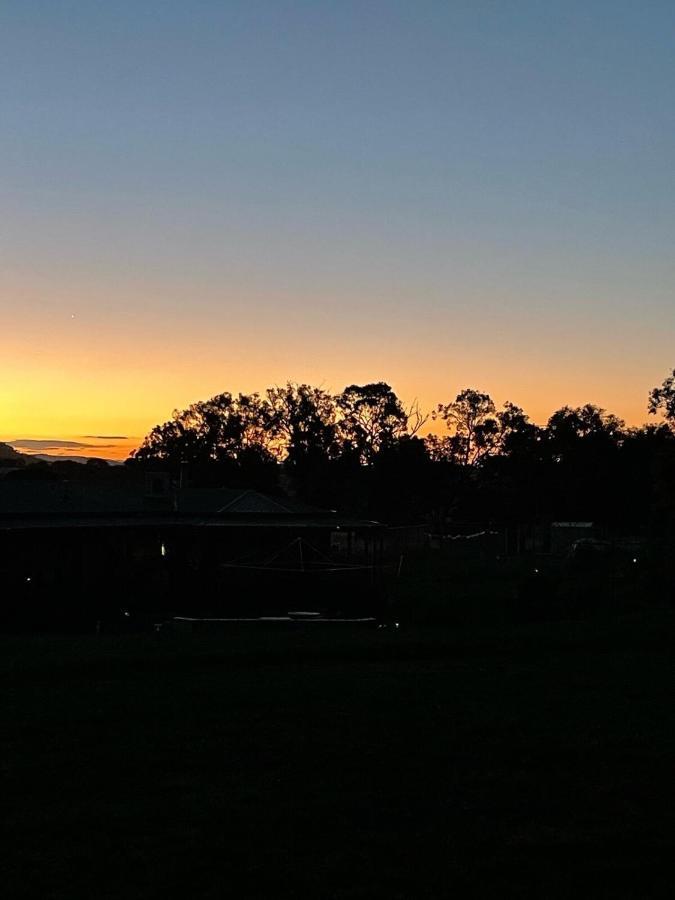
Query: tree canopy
662	399
361	449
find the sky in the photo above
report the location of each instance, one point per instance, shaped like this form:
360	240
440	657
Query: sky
205	196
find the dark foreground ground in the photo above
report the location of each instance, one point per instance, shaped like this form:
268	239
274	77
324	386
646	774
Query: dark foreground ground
534	762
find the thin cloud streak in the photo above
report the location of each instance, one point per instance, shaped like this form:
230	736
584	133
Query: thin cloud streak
106	437
60	447
51	443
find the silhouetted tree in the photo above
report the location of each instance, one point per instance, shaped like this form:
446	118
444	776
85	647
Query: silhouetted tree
516	435
373	419
233	434
511	482
35	471
303	419
303	423
223	427
583	446
662	399
478	430
403	486
95	462
358	452
471	420
568	426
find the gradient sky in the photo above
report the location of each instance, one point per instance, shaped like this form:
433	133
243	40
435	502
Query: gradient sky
208	196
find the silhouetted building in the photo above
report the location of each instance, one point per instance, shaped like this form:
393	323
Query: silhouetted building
82	552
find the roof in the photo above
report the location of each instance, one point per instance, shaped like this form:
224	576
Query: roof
84	497
45	504
237	501
170	521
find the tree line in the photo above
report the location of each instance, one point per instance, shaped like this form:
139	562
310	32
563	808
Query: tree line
361	450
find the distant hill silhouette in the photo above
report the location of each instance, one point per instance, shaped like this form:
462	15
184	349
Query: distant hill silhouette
52	457
9	454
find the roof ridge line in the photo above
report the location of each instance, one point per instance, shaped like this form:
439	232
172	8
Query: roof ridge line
235	500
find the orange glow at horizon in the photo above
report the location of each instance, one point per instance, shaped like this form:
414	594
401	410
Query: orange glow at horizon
118	427
118	369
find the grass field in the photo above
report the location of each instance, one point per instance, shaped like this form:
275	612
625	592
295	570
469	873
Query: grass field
533	761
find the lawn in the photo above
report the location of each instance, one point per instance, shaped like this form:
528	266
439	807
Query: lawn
530	761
